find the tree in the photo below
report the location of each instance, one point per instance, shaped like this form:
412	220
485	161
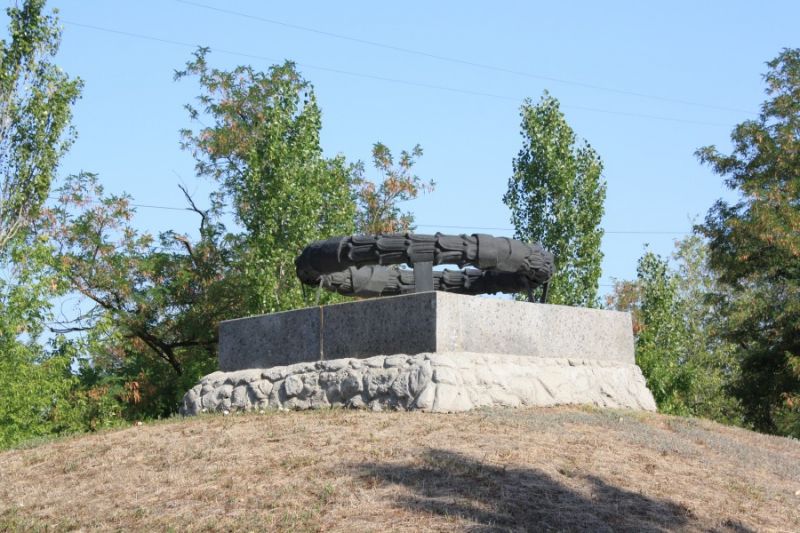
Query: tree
40	395
710	357
556	197
263	148
688	367
36	99
34	385
755	248
661	349
151	328
378	211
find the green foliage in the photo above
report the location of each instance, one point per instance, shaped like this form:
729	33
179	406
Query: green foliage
263	148
688	367
151	331
152	328
755	248
378	211
31	384
661	341
711	357
35	112
40	395
34	388
556	197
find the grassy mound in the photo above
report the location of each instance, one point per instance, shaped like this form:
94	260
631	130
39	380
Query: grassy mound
542	469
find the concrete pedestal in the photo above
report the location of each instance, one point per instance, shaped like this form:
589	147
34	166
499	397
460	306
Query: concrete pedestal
427	322
431	351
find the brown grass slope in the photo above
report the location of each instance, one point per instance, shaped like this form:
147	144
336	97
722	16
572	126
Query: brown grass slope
337	470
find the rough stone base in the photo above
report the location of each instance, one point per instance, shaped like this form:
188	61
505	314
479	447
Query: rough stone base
439	382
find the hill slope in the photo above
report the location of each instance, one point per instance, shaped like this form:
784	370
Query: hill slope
559	468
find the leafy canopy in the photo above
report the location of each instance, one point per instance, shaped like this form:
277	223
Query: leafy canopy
687	365
263	147
378	209
755	248
40	395
556	197
154	304
36	98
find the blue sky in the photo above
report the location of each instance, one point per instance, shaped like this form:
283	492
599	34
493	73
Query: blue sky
646	83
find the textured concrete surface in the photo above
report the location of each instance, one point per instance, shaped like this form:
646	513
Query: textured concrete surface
270	340
439	382
397	324
425	322
465	323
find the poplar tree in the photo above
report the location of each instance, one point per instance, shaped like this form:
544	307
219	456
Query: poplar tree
36	100
556	197
262	145
35	112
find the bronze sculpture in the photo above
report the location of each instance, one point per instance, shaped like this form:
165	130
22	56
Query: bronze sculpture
365	265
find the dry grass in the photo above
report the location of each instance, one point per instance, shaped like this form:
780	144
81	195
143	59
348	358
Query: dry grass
535	469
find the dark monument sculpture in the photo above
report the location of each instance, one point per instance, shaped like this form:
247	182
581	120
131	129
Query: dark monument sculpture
365	265
430	351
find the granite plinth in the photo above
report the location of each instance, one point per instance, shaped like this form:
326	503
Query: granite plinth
427	322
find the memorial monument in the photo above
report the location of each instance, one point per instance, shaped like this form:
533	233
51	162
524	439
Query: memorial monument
419	338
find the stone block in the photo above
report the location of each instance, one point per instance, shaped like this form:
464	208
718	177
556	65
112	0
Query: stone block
395	325
430	322
264	341
488	325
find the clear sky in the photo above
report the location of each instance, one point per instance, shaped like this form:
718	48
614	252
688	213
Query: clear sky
646	83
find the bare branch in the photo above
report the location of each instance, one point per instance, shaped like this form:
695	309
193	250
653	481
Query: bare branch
188	245
203	214
73	329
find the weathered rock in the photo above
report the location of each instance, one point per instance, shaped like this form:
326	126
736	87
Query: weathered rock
441	382
400	387
335	364
240	396
378	383
396	360
225	390
446	375
351	384
419	376
424	401
262	389
293	385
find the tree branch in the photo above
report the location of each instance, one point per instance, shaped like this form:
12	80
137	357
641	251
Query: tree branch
203	214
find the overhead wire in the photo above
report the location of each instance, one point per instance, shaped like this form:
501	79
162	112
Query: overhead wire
425	86
605	285
457	60
388	79
443	226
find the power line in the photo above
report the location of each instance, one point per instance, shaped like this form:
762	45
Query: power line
614	232
145	206
443	226
163	207
460	61
607	285
390	80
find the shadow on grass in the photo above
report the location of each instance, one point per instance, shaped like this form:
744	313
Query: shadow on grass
496	498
